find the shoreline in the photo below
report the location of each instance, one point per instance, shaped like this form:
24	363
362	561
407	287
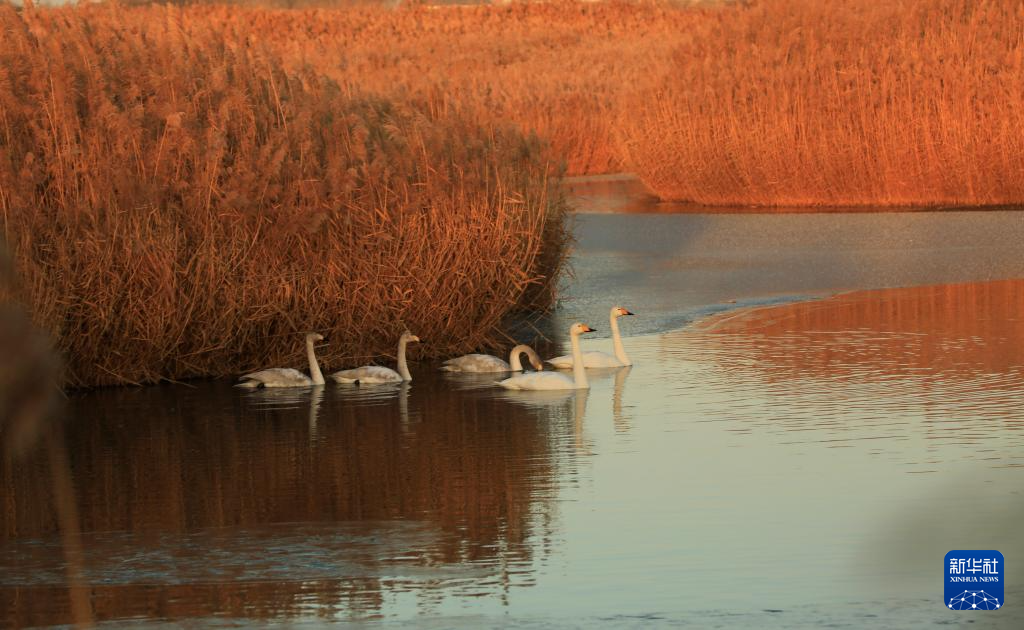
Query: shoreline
720	322
626	192
950	326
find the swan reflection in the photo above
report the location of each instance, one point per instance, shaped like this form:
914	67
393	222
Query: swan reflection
622	422
558	405
316	396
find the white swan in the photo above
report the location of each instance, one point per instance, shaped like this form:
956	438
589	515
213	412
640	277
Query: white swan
375	374
487	363
555	380
287	377
596	358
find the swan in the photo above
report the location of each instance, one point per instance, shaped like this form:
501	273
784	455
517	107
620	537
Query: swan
555	380
595	358
487	363
287	377
374	374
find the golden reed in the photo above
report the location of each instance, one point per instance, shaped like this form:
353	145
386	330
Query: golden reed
179	202
847	102
769	102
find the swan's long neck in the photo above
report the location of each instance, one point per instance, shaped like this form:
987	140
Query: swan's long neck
515	358
403	367
620	352
579	373
314	367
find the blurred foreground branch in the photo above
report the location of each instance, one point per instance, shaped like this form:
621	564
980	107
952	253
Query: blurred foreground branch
29	398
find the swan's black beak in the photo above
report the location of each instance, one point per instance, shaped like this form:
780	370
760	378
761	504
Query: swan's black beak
589	329
628	313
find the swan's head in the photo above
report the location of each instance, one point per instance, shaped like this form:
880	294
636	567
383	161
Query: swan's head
580	328
408	336
618	311
532	356
314	337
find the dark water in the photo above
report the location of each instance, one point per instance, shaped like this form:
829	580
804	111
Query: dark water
805	464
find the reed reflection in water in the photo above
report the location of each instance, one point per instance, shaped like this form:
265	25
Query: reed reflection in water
942	364
206	500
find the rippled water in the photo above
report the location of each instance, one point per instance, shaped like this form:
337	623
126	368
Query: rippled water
800	464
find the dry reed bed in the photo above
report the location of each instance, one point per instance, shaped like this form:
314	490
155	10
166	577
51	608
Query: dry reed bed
179	204
775	102
561	69
840	103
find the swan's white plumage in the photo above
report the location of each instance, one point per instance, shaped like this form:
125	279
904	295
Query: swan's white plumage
476	363
375	374
554	380
275	377
486	363
368	375
596	358
539	380
287	377
591	359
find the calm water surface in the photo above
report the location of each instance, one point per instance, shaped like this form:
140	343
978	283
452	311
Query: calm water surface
799	464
